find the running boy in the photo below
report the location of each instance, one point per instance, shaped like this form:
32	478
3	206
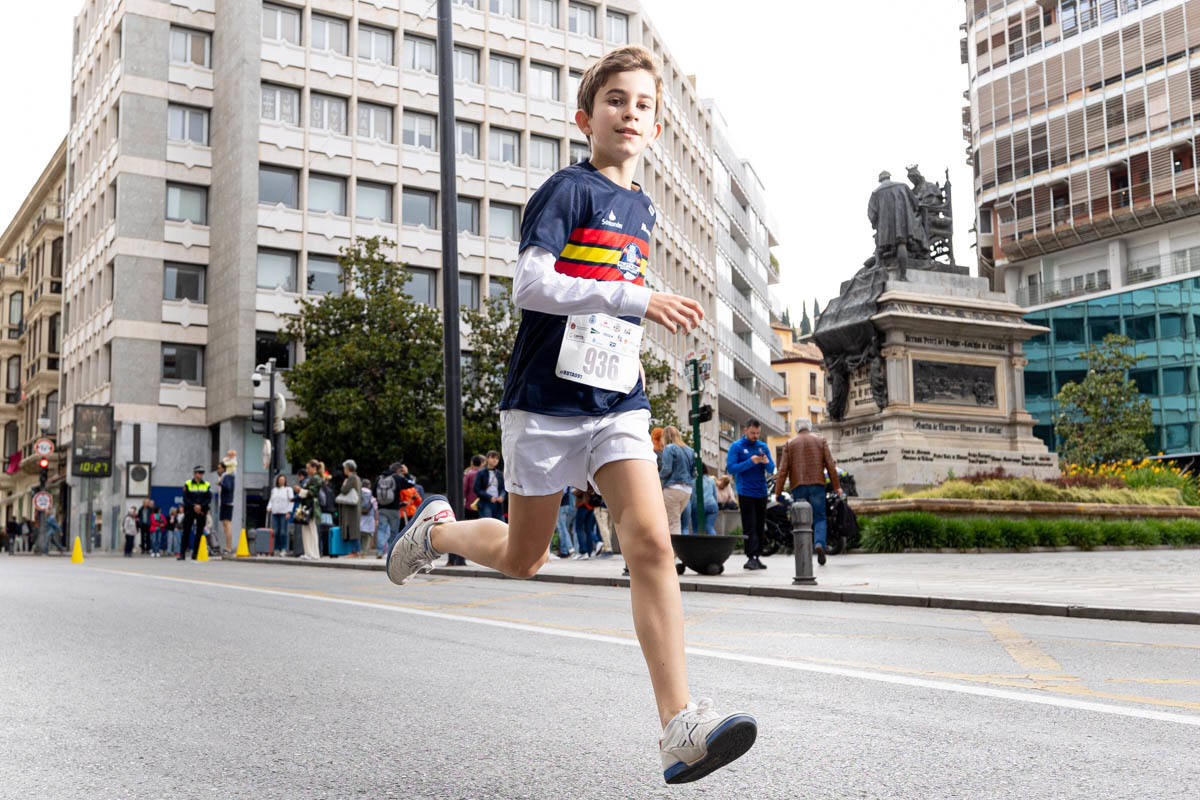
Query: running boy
574	410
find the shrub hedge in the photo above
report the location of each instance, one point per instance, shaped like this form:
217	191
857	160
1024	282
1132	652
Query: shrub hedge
893	533
1027	489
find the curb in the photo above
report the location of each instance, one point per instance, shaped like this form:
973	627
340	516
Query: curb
1152	615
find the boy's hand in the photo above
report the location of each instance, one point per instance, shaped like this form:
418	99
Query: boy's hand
674	312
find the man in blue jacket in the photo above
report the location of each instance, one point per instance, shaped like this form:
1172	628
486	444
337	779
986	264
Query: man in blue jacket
749	462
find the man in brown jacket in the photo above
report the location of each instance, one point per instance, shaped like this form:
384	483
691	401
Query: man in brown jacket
805	461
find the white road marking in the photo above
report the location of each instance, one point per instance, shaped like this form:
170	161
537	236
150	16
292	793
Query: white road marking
879	677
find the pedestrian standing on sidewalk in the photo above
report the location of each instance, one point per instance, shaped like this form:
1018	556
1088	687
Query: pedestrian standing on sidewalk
369	524
388	486
143	525
308	512
470	503
750	462
197	495
709	501
349	507
226	486
567	545
279	506
489	486
585	524
158	532
129	526
805	461
675	475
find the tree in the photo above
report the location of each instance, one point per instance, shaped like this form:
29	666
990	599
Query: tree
1102	418
491	335
371	380
662	389
816	312
805	325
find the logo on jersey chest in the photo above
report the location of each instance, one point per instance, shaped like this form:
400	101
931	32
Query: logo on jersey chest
632	263
611	221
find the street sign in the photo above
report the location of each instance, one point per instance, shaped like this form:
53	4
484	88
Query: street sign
42	501
703	362
43	447
266	455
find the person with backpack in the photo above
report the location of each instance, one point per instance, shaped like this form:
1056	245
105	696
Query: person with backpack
470	504
388	486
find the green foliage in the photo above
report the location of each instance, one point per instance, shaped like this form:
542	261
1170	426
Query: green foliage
1151	476
662	389
371	379
1028	489
491	335
805	324
1102	418
894	533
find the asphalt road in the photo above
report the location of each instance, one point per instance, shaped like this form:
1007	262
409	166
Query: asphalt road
138	678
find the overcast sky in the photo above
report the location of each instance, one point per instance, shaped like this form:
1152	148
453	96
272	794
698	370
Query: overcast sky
818	99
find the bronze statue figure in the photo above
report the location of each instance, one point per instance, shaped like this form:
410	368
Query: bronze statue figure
937	221
895	216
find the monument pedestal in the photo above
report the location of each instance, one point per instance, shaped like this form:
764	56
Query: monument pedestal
955	400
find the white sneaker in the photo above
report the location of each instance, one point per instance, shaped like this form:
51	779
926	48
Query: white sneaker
411	552
697	741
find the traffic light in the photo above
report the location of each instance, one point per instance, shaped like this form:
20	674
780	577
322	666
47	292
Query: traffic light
44	464
260	417
703	414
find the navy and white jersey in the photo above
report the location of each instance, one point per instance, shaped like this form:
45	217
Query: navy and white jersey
595	231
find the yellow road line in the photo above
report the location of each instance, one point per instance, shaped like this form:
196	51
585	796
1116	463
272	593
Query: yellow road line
1022	650
503	598
691	620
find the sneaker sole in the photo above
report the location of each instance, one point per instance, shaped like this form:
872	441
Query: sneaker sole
726	744
396	539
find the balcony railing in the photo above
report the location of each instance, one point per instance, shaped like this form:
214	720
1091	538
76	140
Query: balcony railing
750	360
1179	262
750	404
1060	290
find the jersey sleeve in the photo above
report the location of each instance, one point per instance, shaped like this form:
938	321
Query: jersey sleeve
551	215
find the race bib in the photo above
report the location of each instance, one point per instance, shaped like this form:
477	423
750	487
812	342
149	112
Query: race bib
600	351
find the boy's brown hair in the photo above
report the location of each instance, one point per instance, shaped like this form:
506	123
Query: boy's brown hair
629	58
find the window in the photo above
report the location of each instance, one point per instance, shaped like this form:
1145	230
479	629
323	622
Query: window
278	185
1146	380
268	345
280	22
573	79
375	122
327	112
191	47
581	19
1175	380
468	291
504	221
419	208
466	64
504	72
544	12
187	203
183	282
543	81
499	288
506	7
326	193
421	286
277	270
812	383
580	152
504	146
420	130
373	201
53	334
618	28
14	374
280	104
376	44
467	135
468	215
186	124
420	54
468	3
543	153
1140	329
1037	384
329	33
16	308
324	275
182	362
11	444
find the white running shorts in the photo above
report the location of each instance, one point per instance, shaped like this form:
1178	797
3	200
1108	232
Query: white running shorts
543	454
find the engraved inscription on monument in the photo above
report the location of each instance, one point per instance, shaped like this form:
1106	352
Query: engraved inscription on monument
954	384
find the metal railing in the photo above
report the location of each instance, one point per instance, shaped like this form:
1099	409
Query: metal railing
750	404
750	360
1060	290
1179	262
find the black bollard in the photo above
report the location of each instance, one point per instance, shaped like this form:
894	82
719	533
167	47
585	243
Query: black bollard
800	514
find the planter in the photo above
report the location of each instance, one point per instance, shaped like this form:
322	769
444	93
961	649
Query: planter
704	554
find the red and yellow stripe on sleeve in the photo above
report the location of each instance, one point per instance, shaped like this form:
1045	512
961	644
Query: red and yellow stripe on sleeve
592	253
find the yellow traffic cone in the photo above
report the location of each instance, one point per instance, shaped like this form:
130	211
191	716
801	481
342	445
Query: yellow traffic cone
77	552
242	551
202	553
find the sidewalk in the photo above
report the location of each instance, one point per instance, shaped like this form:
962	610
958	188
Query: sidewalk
1130	585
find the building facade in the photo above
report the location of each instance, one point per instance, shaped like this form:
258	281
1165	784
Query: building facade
220	155
801	368
31	281
1081	127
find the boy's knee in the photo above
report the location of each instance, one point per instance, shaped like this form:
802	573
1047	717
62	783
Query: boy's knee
527	569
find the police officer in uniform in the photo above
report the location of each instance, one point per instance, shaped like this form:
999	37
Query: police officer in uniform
197	495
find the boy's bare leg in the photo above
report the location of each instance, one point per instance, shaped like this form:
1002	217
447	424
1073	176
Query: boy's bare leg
517	549
631	490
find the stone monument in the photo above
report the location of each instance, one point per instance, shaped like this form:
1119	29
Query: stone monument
925	371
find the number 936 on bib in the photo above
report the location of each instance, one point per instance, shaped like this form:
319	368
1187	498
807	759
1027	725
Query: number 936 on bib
601	351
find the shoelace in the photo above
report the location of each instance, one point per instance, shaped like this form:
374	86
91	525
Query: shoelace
700	711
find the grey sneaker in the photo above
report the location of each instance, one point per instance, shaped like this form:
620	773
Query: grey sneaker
411	552
697	741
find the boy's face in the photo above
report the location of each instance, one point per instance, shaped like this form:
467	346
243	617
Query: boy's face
621	122
492	461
